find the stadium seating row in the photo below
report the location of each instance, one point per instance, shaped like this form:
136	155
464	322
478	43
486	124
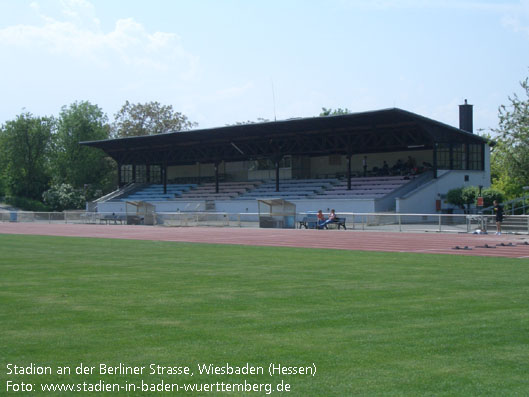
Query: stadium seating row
369	187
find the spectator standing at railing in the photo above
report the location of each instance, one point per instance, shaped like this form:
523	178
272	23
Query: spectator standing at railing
498	211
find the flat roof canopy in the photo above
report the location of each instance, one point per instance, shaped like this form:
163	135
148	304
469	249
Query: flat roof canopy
386	130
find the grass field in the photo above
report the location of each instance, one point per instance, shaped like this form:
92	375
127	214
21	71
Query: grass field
371	323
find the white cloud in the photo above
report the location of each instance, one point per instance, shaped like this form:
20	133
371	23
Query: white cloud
512	14
78	35
450	4
518	19
230	92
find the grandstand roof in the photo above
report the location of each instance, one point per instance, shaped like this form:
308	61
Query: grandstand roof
383	130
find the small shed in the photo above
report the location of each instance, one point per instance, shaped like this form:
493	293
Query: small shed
276	213
140	213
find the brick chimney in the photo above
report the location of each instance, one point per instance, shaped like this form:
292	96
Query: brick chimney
465	117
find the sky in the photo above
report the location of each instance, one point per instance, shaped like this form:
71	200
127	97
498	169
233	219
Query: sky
225	61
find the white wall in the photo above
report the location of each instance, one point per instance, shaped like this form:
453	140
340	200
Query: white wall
160	206
340	205
422	200
110	207
487	164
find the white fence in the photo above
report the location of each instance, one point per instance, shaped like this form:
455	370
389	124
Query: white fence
354	221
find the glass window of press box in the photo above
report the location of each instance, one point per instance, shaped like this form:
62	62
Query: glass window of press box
460	156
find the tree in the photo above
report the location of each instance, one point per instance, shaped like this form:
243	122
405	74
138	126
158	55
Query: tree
490	195
25	145
510	159
64	197
335	112
462	196
259	120
78	165
148	119
466	196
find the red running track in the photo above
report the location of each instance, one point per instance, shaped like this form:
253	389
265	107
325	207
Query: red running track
434	243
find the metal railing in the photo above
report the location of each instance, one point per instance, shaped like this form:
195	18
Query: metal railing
518	206
446	223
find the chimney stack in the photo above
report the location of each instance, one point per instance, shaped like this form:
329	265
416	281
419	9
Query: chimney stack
465	117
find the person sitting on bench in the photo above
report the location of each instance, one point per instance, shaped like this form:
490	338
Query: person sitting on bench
322	223
335	220
331	219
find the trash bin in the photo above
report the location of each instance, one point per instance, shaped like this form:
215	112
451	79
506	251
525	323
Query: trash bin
13	217
289	222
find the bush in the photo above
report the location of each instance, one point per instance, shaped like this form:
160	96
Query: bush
489	195
470	195
463	196
455	197
26	204
64	197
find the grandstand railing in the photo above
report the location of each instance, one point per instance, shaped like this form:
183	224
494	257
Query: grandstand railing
518	206
456	223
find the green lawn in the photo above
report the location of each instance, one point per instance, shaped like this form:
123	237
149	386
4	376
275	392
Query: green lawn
372	323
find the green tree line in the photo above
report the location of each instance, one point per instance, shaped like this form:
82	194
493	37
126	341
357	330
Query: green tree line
43	167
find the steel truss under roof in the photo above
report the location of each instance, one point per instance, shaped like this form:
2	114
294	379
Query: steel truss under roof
386	130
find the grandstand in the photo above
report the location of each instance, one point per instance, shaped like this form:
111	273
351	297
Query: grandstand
226	191
318	163
369	187
289	189
154	192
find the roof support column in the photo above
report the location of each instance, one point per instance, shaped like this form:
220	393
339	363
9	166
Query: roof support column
216	177
134	173
119	174
349	155
277	175
148	172
435	160
164	175
276	160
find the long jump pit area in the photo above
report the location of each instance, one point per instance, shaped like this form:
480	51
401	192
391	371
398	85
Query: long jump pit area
506	245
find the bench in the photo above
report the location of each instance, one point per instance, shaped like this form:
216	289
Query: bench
311	222
338	222
108	219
